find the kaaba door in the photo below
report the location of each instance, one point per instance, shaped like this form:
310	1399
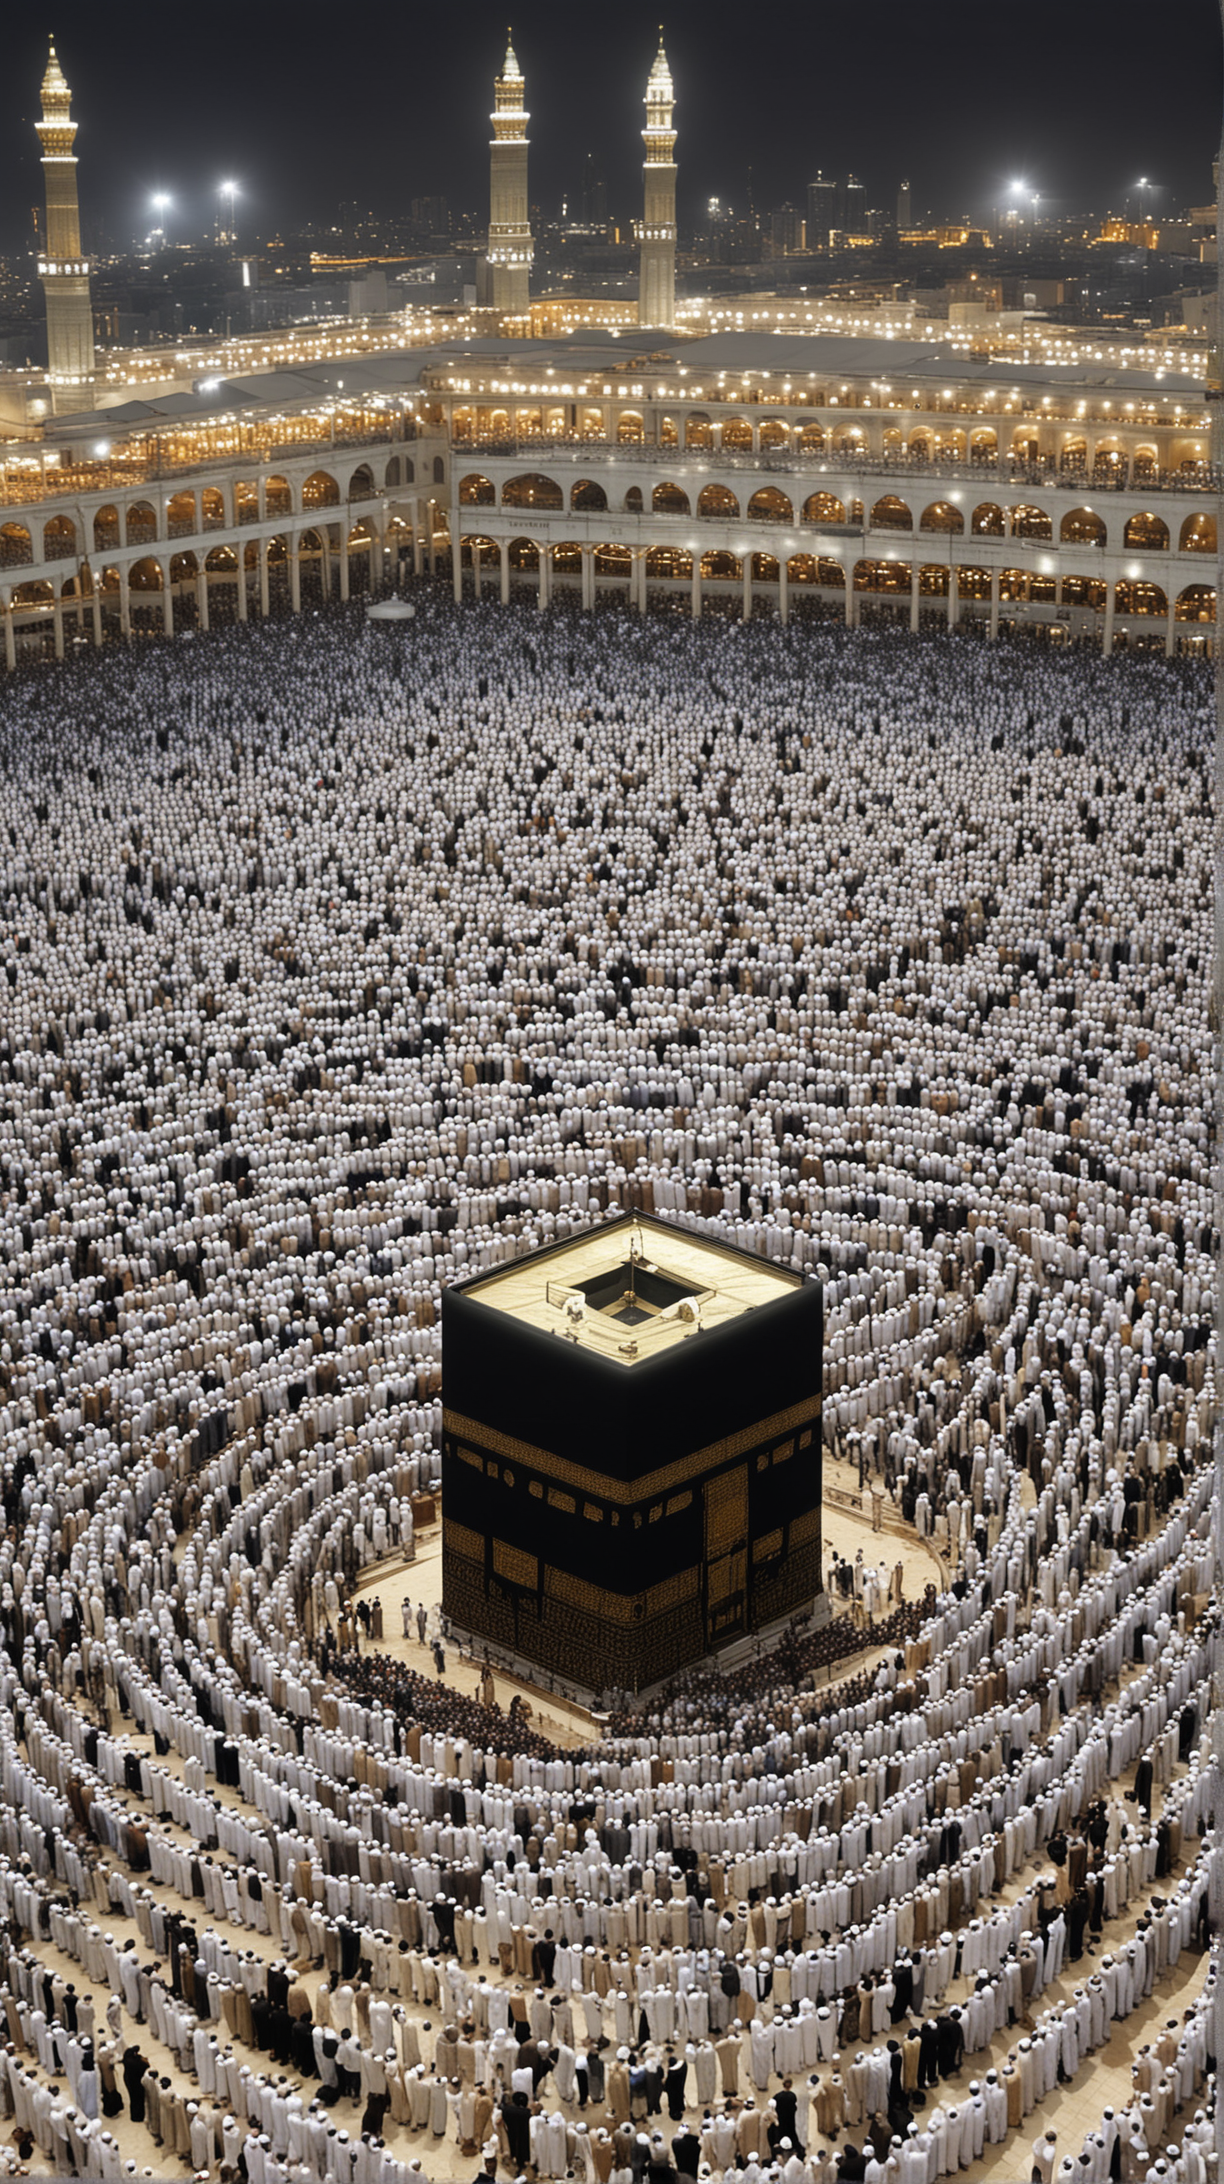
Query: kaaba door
726	1554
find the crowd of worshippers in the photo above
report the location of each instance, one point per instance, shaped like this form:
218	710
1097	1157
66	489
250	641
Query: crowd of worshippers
341	963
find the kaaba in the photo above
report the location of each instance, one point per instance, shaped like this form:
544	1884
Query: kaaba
631	1451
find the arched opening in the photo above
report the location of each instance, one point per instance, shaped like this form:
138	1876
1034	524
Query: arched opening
811	439
848	440
212	509
60	538
1085	591
630	429
983	444
988	521
719	566
587	494
409	471
16	551
933	580
567	558
1145	466
1029	522
140	525
768	505
1133	595
972	584
698	431
737	434
246	501
361	484
391	472
823	508
893	443
942	516
1082	527
180	515
476	491
1198	535
532	490
1073	454
882	576
144	594
772	433
613	561
668	436
891	514
670	500
439	470
105	529
669	562
633	501
1108	462
1196	604
223	561
922	443
320	491
524	556
765	568
278	496
1146	533
816	569
717	500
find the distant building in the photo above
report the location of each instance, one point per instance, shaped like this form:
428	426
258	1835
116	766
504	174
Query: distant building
822	212
787	232
905	212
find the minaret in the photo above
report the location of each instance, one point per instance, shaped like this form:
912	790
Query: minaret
64	273
657	231
510	245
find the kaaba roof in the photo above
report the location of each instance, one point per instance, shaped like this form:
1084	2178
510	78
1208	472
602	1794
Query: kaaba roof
631	1287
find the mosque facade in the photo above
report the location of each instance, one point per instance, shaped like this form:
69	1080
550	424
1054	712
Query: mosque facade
63	269
631	1452
743	473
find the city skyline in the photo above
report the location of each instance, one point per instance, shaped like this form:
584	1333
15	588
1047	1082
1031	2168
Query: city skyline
293	124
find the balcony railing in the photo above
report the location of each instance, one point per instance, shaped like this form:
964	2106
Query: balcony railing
786	461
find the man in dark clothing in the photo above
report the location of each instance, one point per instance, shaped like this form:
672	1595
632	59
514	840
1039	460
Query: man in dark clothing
517	2120
951	2042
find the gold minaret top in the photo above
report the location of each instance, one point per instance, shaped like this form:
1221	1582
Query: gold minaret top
63	270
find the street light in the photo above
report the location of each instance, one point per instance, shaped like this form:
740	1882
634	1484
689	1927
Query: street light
161	205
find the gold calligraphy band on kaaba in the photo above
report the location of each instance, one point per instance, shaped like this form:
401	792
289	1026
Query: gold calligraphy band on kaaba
629	1491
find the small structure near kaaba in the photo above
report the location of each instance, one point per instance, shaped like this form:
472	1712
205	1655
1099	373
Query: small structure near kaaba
631	1453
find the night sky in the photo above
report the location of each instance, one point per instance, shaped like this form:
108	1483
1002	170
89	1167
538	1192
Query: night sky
308	105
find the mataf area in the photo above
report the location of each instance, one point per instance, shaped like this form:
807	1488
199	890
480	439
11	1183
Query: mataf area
346	967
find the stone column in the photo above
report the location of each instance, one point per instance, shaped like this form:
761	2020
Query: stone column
1107	636
994	605
295	573
457	564
344	562
10	641
915	593
202	595
504	552
783	590
747	606
57	617
477	566
953	598
417	554
1171	627
242	582
167	597
542	578
431	550
125	603
264	601
851	599
96	607
695	593
588	578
